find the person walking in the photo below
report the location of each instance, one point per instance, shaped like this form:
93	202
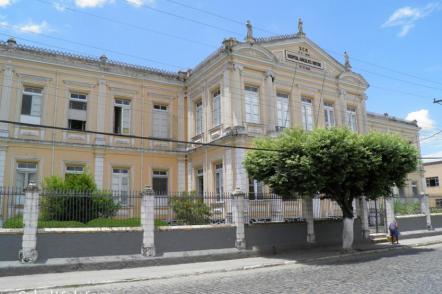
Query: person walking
394	231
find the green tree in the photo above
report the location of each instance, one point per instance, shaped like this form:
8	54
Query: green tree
337	163
75	198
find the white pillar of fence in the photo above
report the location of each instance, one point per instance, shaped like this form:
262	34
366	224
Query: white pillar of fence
238	217
425	209
28	252
389	212
148	221
363	213
277	213
307	212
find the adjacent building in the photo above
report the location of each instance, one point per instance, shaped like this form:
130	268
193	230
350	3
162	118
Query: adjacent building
243	90
433	173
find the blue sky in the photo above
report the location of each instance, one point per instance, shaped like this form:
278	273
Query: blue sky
396	46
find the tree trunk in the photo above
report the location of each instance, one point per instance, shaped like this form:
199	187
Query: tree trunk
347	233
348	218
307	212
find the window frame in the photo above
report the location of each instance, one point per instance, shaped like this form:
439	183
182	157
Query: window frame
279	102
199	110
429	179
216	108
34	92
329	115
160	174
159	110
124	104
306	101
351	118
254	103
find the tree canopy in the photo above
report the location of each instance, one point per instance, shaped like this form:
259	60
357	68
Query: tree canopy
337	163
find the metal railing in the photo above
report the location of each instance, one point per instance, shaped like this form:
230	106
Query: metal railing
107	208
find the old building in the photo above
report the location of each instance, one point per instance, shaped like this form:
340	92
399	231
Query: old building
245	89
433	174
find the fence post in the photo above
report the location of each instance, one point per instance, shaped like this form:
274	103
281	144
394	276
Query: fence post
425	209
238	217
148	221
28	252
276	213
389	212
307	213
363	210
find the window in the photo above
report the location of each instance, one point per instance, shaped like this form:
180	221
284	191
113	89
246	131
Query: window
282	109
160	121
31	105
160	182
307	114
200	182
122	116
199	118
216	108
351	119
255	189
329	115
252	104
414	188
120	185
432	181
219	185
26	173
77	112
438	203
73	170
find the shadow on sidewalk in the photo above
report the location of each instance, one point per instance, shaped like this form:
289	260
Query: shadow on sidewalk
336	256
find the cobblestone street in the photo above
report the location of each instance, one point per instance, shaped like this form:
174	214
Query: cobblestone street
399	271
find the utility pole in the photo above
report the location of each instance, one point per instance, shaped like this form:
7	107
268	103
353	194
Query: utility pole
438	101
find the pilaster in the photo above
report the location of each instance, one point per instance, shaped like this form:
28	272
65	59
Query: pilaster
6	100
99	140
237	95
99	170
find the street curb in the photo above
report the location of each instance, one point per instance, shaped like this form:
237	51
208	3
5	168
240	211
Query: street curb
239	268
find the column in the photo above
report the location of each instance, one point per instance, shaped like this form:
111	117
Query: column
425	209
190	185
228	170
389	212
226	97
181	116
238	218
2	167
425	202
269	115
241	180
341	109
363	213
364	128
181	175
6	100
148	221
307	213
99	170
101	104
28	253
237	93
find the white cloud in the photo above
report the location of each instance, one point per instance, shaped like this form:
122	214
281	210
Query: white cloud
91	3
4	3
60	5
35	28
139	3
423	119
406	17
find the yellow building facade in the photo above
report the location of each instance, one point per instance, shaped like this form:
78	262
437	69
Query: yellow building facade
243	90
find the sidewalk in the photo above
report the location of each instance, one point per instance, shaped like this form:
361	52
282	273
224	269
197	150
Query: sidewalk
96	277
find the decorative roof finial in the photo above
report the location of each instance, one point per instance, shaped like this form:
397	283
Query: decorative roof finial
249	37
300	28
347	64
103	58
11	42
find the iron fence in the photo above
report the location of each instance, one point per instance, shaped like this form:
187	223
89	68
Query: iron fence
12	201
407	205
106	208
376	214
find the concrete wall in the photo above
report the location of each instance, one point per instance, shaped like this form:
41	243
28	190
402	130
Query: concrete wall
436	220
10	244
411	223
194	239
283	236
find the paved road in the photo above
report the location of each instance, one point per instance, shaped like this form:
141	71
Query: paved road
400	271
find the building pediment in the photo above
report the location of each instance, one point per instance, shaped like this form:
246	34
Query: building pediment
353	78
254	51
